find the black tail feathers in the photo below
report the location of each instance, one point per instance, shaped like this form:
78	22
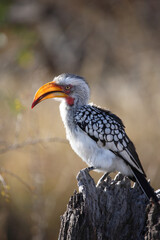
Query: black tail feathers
144	184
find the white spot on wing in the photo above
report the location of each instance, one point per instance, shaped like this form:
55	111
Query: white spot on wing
101	136
95	134
112	146
109	138
124	143
115	138
120	135
107	130
86	129
91	132
95	127
120	146
112	126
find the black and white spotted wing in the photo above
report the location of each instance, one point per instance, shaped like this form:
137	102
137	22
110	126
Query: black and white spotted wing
108	131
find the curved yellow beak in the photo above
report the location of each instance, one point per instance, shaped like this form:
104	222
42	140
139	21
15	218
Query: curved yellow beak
48	90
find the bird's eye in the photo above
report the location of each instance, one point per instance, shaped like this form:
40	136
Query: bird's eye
68	87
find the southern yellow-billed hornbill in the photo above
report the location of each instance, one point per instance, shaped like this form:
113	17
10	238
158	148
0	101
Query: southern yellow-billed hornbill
95	134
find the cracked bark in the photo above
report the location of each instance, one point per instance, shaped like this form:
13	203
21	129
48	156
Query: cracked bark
112	210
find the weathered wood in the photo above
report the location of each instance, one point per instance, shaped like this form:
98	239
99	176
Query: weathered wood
153	222
112	210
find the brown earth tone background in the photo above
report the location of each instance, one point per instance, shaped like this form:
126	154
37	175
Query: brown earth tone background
115	45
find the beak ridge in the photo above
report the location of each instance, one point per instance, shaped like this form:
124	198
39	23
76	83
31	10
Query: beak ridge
48	90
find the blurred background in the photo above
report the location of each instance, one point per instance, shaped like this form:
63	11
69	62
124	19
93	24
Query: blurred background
115	45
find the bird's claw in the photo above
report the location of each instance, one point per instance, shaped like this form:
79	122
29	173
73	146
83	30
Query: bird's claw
102	179
88	169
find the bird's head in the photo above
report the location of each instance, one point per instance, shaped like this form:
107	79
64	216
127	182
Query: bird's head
71	88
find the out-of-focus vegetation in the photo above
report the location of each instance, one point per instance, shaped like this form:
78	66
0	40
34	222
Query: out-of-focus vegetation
115	45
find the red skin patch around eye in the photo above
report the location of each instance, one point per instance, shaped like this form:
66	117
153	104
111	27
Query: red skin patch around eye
70	100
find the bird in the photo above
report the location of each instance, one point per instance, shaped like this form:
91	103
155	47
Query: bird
96	135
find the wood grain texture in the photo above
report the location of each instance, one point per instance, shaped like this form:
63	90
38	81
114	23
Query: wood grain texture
112	210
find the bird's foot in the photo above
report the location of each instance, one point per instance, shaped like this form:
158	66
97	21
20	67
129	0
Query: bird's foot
85	171
101	180
88	169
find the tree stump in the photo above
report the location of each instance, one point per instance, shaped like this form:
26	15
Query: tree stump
112	210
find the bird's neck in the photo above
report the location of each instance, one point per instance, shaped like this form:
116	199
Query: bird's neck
67	114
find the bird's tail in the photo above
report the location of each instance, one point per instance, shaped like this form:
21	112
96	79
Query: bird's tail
144	184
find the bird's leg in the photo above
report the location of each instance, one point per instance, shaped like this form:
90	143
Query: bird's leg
88	169
85	171
101	180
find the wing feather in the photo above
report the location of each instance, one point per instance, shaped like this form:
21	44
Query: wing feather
105	127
